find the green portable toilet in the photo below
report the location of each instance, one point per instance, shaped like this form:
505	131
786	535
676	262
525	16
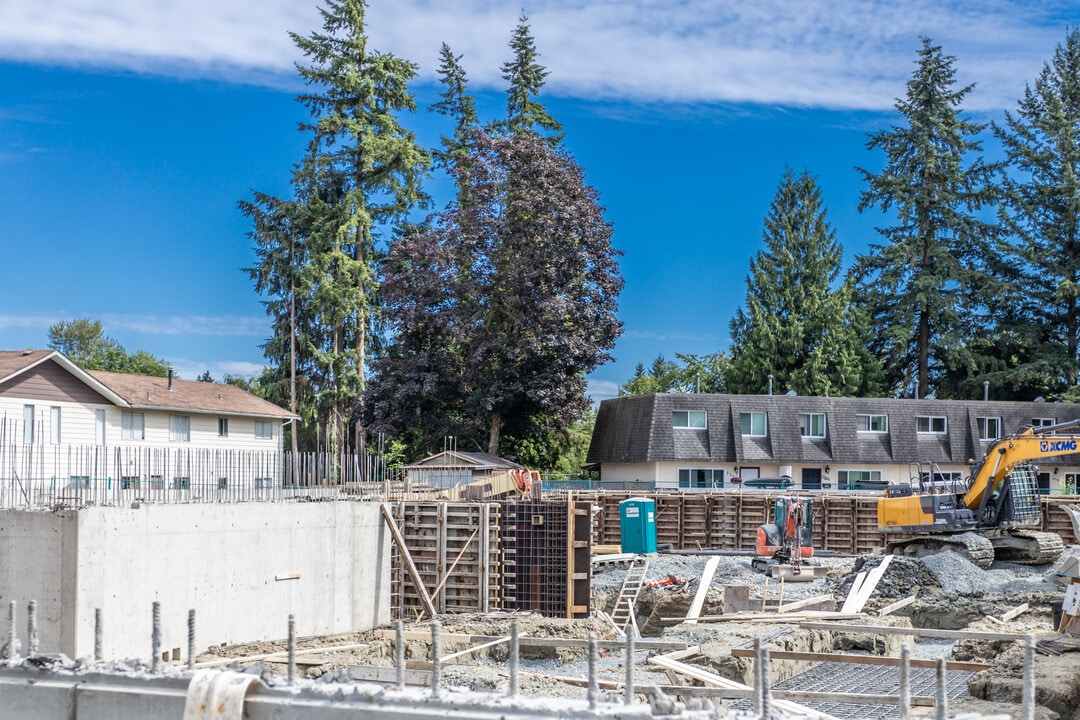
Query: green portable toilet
637	525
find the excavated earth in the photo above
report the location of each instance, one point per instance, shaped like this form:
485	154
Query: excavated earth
951	593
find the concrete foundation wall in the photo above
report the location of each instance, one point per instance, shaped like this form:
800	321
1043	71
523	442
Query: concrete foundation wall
243	568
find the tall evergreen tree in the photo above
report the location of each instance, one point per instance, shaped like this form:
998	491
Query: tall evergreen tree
362	172
1039	315
456	103
526	78
924	288
795	326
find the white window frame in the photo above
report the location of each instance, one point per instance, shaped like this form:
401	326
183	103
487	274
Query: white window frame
1042	422
930	424
54	424
1070	483
986	424
99	426
870	418
179	428
28	424
764	421
264	430
688	473
689	419
843	477
132	425
806	426
223	427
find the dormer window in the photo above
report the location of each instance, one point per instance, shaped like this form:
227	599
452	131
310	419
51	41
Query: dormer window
692	419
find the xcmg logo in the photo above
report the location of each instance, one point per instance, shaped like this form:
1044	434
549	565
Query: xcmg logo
1057	446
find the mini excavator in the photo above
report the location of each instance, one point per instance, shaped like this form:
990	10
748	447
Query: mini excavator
787	540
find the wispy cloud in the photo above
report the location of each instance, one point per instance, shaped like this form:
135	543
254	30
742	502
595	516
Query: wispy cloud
671	336
853	54
602	390
191	369
223	325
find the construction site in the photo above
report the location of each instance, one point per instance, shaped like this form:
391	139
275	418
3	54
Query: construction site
383	601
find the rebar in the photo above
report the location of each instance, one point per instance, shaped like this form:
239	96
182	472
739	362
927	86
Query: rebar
436	656
155	638
191	639
12	651
399	653
905	681
1027	709
291	648
766	691
98	630
629	699
594	683
31	629
515	649
942	696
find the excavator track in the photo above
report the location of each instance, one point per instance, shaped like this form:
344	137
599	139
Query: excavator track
976	548
1028	547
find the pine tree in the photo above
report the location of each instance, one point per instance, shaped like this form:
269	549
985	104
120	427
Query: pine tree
795	326
1039	314
526	78
362	172
924	288
455	103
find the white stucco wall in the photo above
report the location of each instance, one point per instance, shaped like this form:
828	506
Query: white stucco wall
220	560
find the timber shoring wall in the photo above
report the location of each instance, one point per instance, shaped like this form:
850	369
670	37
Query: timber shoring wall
844	522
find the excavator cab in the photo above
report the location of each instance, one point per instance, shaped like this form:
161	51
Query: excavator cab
789	537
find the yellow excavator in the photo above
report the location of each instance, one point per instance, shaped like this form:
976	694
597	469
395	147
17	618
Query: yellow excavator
987	515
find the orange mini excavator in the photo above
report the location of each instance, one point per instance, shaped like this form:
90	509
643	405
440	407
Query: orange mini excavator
787	540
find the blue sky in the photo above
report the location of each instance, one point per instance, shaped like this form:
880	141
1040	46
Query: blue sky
130	129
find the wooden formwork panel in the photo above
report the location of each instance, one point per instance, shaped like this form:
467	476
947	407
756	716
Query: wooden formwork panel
723	522
670	516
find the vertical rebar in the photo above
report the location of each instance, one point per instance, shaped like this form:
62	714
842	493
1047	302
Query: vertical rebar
155	638
436	656
191	639
291	648
629	699
1027	708
514	658
594	683
399	653
31	629
757	677
905	681
98	630
942	699
12	653
766	691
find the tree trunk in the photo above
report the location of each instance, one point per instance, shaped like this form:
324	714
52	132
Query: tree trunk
924	354
493	433
292	350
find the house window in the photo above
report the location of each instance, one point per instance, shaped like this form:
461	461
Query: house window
930	424
701	477
812	425
264	429
223	427
872	423
99	427
180	428
989	428
753	424
1069	483
694	419
133	426
54	425
1042	422
28	423
858	479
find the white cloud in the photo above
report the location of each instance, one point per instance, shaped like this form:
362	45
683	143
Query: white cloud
189	369
219	325
815	53
598	390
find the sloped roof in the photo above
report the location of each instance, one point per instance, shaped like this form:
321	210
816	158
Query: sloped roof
639	429
152	393
473	460
14	361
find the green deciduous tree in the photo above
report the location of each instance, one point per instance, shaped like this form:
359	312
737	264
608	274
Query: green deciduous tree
924	287
1038	337
83	341
796	326
687	373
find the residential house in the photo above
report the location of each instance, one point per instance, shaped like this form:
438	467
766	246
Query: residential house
695	441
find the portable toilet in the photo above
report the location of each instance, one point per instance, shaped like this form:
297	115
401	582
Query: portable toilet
637	525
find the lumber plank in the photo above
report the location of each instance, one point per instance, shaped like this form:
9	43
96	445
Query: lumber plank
547	642
266	656
772	617
860	659
893	607
477	648
799	604
429	607
703	590
919	632
366	673
1015	612
866	589
853	593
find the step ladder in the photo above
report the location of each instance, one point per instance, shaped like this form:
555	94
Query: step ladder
623	614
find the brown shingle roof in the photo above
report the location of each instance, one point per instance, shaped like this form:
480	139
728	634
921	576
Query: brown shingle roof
144	391
12	361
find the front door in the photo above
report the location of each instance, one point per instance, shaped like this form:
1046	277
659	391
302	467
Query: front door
811	478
